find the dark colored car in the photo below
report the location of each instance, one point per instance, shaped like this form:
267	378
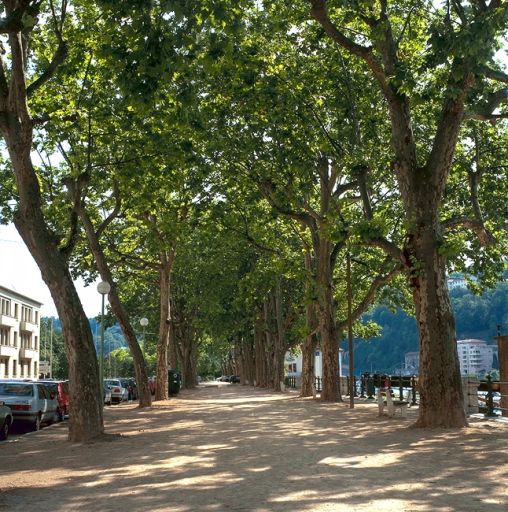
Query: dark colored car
234	379
132	388
60	389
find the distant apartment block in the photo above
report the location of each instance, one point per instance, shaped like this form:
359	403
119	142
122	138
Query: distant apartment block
19	335
475	357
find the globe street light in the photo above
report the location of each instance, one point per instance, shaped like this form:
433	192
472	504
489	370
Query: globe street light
103	288
144	323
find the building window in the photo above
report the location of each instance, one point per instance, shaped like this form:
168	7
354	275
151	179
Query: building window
26	340
36	318
4	336
16	311
5	306
26	314
14	368
36	343
15	339
35	369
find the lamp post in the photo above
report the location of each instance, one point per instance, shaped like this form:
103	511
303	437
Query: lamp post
144	322
103	288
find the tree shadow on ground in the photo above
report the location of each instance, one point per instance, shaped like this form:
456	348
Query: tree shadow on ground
238	448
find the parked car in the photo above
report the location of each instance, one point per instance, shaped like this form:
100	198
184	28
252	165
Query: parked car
234	379
223	378
5	421
132	388
60	388
118	392
30	402
107	395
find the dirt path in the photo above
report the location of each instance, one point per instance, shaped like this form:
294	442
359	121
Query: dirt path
233	448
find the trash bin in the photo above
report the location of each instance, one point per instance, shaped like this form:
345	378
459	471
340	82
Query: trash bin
174	381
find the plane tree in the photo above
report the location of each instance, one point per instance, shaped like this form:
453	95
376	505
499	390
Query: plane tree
308	147
37	37
434	66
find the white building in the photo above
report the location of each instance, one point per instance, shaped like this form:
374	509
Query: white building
19	335
412	362
293	364
475	356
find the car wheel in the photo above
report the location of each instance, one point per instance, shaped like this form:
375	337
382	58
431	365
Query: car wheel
4	431
36	425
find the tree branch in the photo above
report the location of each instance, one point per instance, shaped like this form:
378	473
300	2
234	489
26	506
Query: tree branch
58	58
389	247
380	280
485	237
13	22
114	213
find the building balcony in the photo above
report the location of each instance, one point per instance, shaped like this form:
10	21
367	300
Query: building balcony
8	321
8	351
27	326
28	353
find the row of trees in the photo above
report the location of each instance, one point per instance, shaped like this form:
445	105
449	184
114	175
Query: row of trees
255	175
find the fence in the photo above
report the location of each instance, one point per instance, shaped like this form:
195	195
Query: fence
365	386
493	396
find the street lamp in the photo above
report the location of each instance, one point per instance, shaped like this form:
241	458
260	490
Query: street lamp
144	322
103	288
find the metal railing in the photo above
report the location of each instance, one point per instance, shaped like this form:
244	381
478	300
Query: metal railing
365	386
493	398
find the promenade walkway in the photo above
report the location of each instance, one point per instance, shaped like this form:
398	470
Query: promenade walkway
235	448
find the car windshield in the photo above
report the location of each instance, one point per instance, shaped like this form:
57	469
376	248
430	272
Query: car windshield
16	389
111	383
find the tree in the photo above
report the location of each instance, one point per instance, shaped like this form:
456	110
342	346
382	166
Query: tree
461	40
22	80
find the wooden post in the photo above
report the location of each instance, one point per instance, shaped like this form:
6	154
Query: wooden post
502	346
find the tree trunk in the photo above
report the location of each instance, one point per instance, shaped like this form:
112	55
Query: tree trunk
259	350
145	398
189	353
85	418
441	400
165	321
309	345
327	326
280	343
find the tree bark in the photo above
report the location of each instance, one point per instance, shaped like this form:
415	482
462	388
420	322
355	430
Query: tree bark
439	382
327	324
145	398
310	343
280	343
260	350
165	329
86	416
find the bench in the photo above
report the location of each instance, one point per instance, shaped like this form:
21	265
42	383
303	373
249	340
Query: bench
391	404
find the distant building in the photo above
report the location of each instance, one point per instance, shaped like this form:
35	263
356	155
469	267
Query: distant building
475	356
293	364
19	335
412	362
458	280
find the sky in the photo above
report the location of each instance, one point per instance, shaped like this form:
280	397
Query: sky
19	272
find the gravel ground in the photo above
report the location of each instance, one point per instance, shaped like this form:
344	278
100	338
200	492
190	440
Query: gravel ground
234	448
